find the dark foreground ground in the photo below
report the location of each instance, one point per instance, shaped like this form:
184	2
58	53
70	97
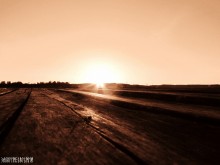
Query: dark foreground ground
69	126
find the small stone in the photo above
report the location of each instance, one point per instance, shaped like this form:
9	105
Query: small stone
88	119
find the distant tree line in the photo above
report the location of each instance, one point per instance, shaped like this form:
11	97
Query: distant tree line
50	84
212	88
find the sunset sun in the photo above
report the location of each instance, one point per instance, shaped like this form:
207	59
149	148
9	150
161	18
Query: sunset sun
100	74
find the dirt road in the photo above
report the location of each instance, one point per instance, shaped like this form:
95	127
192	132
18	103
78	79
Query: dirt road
71	127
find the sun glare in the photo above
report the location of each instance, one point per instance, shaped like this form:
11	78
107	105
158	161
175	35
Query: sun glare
100	74
100	85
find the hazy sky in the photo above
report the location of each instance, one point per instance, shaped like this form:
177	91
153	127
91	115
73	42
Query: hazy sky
141	41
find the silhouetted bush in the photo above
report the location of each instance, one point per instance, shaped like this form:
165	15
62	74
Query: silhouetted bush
50	84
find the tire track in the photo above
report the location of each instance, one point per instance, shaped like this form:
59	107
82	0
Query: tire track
9	123
4	93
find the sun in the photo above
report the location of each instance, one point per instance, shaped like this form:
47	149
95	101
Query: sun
100	85
100	74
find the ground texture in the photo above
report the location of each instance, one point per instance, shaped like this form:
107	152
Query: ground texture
67	126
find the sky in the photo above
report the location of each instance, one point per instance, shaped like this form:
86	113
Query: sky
122	41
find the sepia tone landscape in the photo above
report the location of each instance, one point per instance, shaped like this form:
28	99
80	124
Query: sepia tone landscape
115	124
110	82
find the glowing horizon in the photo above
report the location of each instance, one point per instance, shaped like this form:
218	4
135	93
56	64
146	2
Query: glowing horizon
118	41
